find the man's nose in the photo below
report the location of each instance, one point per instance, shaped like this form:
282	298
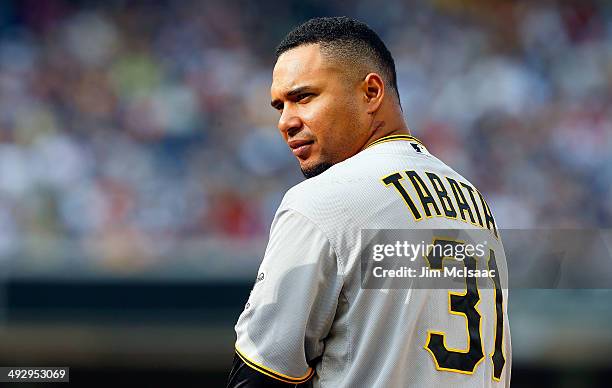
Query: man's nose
289	123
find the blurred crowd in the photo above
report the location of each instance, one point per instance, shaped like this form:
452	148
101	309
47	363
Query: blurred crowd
125	123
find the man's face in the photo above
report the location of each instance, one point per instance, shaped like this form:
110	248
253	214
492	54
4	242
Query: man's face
321	108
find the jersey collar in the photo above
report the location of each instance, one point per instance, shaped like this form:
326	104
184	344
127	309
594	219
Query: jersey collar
389	138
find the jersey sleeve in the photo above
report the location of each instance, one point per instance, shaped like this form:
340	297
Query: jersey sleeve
290	310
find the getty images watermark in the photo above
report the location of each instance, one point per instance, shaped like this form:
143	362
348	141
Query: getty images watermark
412	251
429	258
478	259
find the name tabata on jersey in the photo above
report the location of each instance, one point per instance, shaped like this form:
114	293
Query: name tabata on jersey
475	211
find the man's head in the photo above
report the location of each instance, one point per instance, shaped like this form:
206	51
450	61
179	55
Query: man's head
331	78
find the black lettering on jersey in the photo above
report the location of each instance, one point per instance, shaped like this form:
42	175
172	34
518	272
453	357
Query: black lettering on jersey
449	359
445	200
424	194
394	179
476	209
490	221
461	201
498	353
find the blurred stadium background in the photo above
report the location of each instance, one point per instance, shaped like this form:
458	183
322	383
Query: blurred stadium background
140	168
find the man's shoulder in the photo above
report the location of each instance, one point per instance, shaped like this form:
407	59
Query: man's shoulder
331	182
324	194
313	192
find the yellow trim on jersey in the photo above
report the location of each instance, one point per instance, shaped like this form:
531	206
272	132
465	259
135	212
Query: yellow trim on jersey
389	138
272	373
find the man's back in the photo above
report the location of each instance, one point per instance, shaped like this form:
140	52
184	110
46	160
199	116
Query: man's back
354	335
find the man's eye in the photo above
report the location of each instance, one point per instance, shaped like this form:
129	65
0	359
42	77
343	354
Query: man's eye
303	96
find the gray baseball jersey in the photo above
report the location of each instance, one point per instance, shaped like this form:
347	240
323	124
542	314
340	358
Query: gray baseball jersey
309	317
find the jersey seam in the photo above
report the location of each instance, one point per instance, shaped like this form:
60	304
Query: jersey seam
348	330
326	237
342	273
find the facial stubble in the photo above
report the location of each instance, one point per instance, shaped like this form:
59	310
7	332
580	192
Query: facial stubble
316	170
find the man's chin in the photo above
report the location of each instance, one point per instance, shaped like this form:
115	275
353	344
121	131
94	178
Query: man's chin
312	171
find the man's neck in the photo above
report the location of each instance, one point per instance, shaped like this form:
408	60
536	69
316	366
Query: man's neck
381	131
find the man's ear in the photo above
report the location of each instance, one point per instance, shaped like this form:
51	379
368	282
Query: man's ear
373	89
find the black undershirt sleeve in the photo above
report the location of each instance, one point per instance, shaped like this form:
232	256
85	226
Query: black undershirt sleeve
243	376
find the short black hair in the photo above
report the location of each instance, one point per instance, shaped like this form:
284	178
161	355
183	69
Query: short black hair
347	38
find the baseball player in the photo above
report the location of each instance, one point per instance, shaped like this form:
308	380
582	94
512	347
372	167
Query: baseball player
309	321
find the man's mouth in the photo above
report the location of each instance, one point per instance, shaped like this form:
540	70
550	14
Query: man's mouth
301	148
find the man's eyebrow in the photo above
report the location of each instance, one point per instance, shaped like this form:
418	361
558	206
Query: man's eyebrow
300	89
